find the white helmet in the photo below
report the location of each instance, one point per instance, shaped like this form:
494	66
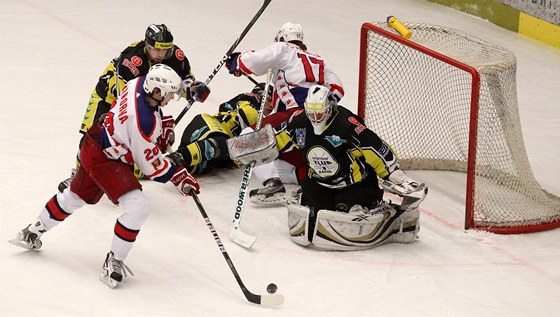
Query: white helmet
319	106
289	32
163	77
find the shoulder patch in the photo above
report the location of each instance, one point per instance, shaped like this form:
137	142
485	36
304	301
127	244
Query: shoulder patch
300	137
353	120
179	54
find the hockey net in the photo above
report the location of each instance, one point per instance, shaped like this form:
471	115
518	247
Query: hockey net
446	100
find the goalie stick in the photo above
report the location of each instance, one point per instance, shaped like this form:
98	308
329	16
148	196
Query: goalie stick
235	234
224	58
263	300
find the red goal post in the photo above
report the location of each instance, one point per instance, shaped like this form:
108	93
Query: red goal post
446	100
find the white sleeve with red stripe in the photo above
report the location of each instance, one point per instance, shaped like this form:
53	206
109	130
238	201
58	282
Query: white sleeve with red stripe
128	140
294	66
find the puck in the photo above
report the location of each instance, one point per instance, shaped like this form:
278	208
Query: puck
271	288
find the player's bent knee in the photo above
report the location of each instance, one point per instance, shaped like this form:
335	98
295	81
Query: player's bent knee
137	208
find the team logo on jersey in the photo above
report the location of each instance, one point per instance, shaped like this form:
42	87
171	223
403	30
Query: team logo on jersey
384	150
179	54
300	137
156	163
322	162
360	128
335	140
136	60
128	64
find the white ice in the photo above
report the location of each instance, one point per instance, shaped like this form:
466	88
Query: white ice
52	53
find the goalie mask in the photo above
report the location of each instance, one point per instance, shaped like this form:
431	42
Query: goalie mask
163	77
160	37
289	32
319	106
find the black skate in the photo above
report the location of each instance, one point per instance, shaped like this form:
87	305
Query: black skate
273	192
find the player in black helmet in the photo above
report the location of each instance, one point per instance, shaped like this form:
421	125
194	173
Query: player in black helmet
135	61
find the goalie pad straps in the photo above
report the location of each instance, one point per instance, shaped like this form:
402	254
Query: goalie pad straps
298	222
360	230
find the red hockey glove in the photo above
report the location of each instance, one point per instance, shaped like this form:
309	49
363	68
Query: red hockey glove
185	182
199	91
167	137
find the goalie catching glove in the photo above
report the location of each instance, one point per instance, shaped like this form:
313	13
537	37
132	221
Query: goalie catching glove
185	182
400	184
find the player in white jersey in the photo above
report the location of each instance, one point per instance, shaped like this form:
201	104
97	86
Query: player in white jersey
296	69
130	133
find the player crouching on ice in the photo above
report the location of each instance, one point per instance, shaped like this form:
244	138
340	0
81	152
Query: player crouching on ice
130	133
341	206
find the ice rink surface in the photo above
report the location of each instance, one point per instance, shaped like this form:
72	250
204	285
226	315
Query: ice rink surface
52	53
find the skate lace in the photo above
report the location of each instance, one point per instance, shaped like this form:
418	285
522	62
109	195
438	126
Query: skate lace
119	266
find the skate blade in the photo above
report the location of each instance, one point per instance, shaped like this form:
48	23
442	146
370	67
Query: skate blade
107	280
274	199
22	244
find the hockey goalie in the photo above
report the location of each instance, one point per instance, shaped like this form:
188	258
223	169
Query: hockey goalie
340	205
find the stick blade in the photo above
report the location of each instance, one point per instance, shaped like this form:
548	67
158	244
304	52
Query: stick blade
267	300
271	300
241	238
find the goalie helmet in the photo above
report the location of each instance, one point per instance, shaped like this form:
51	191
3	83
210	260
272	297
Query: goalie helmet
163	77
289	32
319	106
159	36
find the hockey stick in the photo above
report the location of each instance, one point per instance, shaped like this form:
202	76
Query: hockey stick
228	53
252	80
263	300
235	234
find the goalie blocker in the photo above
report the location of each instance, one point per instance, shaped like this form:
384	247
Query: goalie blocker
257	146
360	228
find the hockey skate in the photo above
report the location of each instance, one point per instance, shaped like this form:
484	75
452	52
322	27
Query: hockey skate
28	238
114	271
66	183
273	192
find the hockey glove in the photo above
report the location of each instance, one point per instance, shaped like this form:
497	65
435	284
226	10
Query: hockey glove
176	158
199	91
167	137
402	183
185	182
231	64
185	88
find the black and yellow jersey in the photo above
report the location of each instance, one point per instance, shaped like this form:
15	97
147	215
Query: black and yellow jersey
345	153
134	62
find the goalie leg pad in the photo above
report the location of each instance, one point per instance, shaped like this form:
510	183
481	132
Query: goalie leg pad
298	222
406	227
360	230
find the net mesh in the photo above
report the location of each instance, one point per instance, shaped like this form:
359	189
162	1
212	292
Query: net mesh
417	95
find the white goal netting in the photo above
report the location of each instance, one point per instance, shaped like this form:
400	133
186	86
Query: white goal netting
446	100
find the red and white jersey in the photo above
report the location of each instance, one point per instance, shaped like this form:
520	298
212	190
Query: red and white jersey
295	71
130	132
